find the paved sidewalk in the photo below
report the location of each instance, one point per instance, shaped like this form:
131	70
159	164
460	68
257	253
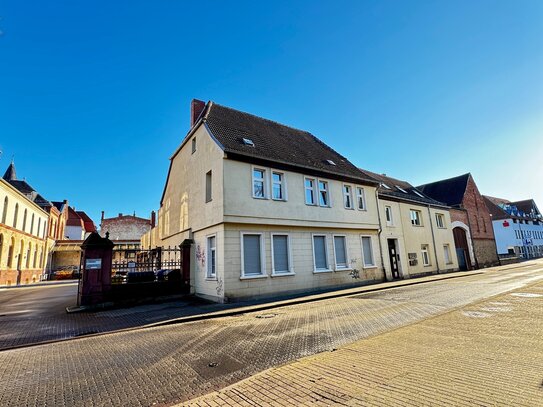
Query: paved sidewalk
34	315
486	354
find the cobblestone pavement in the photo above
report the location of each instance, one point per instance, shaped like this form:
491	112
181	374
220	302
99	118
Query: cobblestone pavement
485	354
169	364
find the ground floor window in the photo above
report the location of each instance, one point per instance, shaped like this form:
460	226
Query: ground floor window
281	254
367	252
340	252
211	257
425	255
320	253
447	254
251	256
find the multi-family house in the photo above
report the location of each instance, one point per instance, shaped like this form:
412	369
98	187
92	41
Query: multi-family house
23	231
271	209
471	222
416	236
518	227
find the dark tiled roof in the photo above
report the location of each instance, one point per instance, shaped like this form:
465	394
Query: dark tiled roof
526	206
25	188
10	174
276	143
495	211
449	191
395	191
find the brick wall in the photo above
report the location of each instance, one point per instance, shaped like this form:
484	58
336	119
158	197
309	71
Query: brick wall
125	227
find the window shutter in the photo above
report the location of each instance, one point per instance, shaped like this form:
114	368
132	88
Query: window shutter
341	259
319	243
280	253
251	254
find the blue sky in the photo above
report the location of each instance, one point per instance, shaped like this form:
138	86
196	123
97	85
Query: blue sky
94	96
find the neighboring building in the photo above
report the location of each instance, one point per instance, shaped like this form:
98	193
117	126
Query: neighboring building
126	232
417	237
271	209
472	226
79	225
23	231
518	227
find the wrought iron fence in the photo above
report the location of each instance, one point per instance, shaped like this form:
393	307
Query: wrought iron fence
135	265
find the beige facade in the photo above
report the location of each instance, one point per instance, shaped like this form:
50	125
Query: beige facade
433	236
23	231
209	198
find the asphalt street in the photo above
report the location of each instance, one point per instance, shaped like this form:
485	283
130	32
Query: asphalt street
165	365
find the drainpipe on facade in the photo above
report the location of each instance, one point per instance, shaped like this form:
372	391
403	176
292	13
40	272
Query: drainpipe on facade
379	234
433	238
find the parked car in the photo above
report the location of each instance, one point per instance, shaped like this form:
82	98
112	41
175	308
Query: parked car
65	273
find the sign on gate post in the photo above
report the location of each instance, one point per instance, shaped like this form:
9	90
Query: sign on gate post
96	255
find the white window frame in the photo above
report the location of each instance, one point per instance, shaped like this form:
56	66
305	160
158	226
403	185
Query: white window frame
328	196
209	188
313	191
209	275
447	253
263	273
440	218
425	249
349	194
290	271
264	182
401	189
328	269
411	211
361	193
364	265
347	258
391	221
283	184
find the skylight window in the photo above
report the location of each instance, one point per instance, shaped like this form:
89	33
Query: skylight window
330	162
418	193
385	185
248	142
401	189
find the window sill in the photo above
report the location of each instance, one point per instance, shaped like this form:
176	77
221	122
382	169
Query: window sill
369	267
310	204
417	226
256	276
343	269
279	200
322	271
290	273
211	278
260	197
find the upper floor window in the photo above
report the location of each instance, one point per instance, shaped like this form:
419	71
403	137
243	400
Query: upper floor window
440	220
309	191
324	199
25	213
278	186
5	210
16	215
360	198
415	217
388	215
209	179
347	197
193	145
32	225
259	183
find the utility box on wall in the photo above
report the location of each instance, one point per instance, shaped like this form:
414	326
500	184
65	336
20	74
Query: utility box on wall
96	257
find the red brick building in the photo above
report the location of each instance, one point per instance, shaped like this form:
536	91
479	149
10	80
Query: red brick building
471	221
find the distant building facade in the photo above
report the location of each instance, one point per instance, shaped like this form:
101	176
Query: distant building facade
417	236
518	227
23	231
472	226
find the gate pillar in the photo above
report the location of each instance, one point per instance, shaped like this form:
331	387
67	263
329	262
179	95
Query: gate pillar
186	246
96	258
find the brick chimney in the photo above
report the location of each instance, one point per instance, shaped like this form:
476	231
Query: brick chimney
153	219
196	109
101	220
